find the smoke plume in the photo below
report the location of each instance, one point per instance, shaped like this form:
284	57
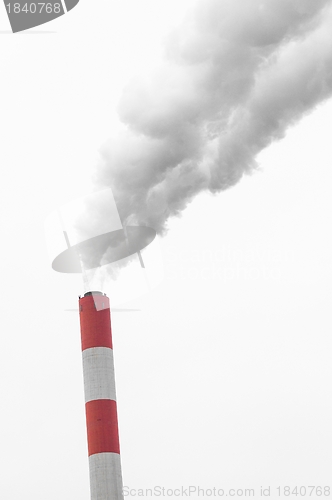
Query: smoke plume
235	76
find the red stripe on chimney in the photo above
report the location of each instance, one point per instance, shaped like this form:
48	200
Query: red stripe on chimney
102	426
95	324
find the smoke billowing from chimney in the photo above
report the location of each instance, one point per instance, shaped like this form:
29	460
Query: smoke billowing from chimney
236	75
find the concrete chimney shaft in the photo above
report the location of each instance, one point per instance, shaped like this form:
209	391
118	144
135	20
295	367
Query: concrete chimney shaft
100	398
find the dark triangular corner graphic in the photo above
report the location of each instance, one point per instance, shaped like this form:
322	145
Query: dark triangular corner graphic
25	14
70	4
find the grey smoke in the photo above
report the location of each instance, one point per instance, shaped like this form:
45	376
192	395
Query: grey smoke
235	76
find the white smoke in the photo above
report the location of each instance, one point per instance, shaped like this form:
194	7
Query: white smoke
236	75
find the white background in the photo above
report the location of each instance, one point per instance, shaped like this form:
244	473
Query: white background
224	376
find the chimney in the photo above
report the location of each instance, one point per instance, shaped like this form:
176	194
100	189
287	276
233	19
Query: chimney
100	399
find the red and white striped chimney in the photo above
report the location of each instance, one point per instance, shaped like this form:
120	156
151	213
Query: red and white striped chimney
100	400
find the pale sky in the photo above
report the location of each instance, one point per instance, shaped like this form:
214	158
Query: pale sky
224	375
